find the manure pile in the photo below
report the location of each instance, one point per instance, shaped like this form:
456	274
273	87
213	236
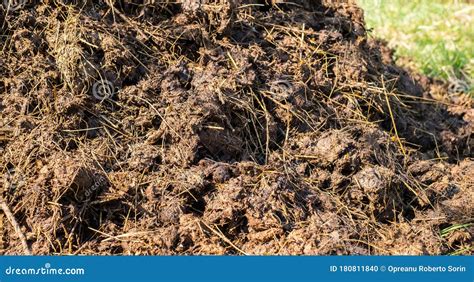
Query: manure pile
223	127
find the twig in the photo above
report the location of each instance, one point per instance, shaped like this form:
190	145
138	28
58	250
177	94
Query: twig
393	121
224	238
15	225
125	18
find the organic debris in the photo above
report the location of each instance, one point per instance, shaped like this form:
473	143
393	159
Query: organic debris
224	127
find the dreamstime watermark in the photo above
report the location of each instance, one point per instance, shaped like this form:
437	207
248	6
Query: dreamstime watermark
13	5
281	89
458	86
13	180
100	182
103	89
44	270
19	87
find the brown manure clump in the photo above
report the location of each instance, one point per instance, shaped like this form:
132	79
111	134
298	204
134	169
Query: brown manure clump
223	127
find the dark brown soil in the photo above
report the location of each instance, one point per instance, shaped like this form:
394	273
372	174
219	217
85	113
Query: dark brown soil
232	127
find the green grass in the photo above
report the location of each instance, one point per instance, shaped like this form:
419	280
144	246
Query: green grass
437	36
449	230
446	232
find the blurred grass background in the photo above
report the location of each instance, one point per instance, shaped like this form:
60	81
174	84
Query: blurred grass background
437	36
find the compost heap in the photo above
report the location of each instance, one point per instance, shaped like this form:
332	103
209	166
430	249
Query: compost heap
224	127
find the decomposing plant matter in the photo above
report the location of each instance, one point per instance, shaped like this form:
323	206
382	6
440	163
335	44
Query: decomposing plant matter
224	127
